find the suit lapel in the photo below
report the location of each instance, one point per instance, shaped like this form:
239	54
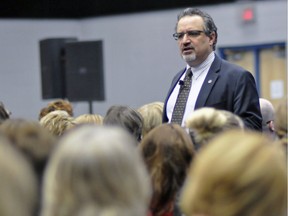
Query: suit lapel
208	83
175	81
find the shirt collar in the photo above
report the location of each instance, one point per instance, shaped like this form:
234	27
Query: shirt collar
206	63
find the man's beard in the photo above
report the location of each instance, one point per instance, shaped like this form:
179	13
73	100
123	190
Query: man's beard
189	58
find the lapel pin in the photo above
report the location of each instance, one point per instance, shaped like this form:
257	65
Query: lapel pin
210	81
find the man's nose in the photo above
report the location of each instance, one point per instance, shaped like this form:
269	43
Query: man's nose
186	38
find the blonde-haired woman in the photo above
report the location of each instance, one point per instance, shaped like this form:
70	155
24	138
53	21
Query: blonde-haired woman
89	119
96	170
152	116
238	173
57	122
206	123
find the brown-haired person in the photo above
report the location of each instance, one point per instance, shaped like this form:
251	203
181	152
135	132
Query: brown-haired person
167	151
59	104
152	115
125	117
35	142
238	173
96	171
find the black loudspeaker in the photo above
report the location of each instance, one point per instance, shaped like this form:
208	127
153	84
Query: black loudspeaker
52	60
84	71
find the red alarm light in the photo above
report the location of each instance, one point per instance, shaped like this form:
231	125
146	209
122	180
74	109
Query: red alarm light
248	15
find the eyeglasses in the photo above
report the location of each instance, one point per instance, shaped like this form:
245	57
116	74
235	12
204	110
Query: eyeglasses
192	33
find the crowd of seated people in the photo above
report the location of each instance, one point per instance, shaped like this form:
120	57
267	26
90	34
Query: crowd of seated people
129	163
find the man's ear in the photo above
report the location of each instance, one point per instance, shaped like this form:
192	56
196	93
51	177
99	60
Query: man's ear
212	38
271	126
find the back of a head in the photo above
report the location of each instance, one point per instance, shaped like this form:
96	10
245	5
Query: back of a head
57	122
29	137
206	123
281	124
125	117
59	104
267	112
89	119
18	184
233	121
281	119
152	116
167	151
96	169
238	173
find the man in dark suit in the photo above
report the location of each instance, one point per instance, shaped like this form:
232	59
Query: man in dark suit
214	82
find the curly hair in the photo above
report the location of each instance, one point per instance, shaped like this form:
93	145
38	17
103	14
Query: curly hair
56	105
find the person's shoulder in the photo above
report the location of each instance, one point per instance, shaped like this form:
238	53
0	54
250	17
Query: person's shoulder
234	66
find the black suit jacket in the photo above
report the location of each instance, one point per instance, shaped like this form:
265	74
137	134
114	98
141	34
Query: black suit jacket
227	87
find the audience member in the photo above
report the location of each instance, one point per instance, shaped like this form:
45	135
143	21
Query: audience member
206	123
281	123
281	119
4	113
57	122
125	117
96	171
167	151
59	104
238	173
268	115
89	118
232	121
18	183
152	116
29	137
33	141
